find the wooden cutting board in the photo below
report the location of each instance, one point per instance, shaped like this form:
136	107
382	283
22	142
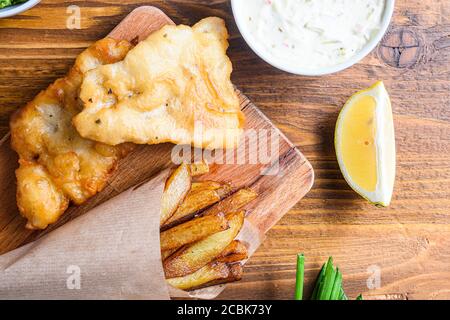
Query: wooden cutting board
281	180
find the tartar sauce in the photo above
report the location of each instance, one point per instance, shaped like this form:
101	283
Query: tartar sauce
311	34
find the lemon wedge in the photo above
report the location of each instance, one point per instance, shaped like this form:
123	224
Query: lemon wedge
365	144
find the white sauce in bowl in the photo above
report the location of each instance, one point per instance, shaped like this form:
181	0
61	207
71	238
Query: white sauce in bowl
310	34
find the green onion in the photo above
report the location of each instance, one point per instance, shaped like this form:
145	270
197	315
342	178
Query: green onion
300	277
342	295
328	284
318	282
336	286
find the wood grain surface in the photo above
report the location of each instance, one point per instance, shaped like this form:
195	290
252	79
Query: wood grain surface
409	241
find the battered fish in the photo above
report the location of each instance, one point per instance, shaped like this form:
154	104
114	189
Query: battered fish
56	164
172	87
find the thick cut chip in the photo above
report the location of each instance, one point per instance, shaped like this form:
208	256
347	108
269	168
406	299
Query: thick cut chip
197	200
166	253
191	231
57	165
234	202
192	257
176	188
199	168
172	87
205	185
213	273
236	251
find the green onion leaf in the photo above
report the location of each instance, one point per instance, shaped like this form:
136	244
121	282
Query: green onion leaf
336	286
318	282
300	277
328	283
342	295
327	287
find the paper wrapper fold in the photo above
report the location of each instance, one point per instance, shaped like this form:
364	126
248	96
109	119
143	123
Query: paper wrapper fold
111	252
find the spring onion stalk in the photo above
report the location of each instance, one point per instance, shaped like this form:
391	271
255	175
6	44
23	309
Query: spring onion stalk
342	295
328	284
336	286
300	277
318	282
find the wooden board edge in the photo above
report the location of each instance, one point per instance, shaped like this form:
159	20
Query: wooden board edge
144	24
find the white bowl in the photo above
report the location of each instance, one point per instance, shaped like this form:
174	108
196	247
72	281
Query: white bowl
386	19
18	8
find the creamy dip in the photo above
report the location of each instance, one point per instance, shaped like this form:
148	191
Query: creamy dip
310	34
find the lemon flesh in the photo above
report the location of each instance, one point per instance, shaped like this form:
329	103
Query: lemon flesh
365	144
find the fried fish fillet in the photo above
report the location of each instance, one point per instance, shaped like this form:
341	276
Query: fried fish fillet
57	165
172	87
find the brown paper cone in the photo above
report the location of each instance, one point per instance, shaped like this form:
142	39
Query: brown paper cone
112	252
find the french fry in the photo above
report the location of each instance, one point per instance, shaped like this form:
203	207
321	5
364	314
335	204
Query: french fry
234	202
205	185
166	253
193	231
196	201
234	252
236	270
212	271
176	188
199	168
191	258
211	274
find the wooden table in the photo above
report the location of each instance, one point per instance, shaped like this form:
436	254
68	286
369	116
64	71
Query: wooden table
409	242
